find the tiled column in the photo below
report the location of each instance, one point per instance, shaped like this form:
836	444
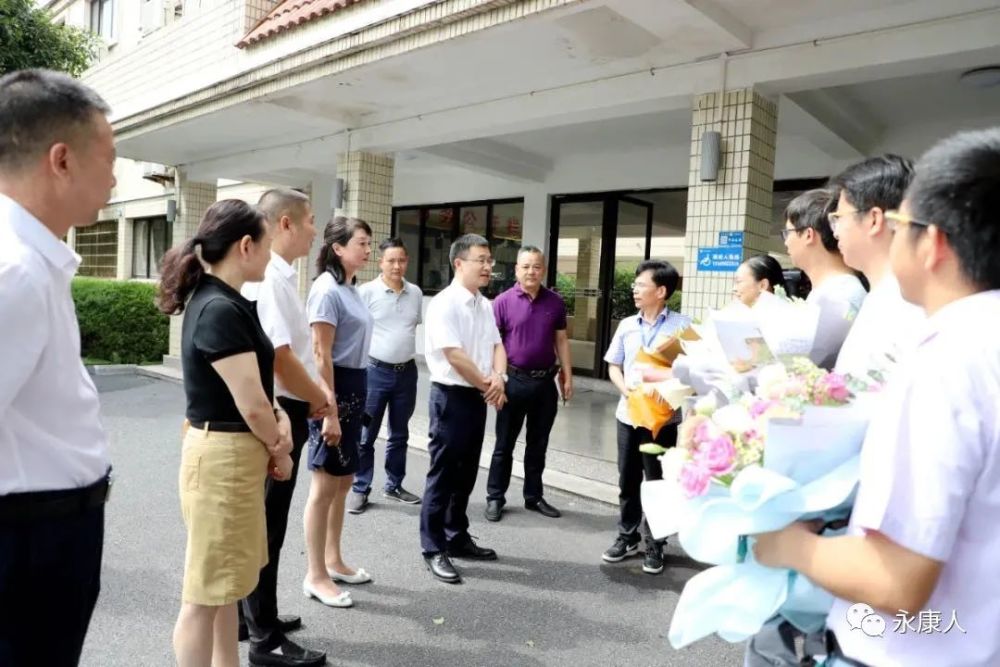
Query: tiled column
368	196
124	269
193	199
740	200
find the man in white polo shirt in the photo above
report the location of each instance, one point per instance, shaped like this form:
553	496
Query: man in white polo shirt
395	304
57	157
468	368
915	576
283	318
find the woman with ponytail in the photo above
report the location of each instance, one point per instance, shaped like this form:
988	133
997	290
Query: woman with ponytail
233	436
342	333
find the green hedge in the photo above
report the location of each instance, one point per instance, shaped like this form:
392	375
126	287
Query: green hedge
119	322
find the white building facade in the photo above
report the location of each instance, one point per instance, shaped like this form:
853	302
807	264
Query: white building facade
578	126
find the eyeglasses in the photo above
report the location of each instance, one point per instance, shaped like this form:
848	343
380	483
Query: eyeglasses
897	220
641	286
785	233
482	261
835	218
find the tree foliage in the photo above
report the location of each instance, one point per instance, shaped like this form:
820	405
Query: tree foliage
29	38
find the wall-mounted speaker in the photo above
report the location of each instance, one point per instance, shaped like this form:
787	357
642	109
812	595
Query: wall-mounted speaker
171	210
711	154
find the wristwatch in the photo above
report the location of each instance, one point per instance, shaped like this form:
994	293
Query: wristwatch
503	376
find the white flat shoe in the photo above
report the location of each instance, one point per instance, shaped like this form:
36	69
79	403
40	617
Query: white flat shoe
342	600
359	576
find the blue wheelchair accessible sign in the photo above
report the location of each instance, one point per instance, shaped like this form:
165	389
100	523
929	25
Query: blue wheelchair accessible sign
726	260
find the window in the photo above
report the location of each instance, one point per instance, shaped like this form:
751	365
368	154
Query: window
150	240
102	18
98	246
428	231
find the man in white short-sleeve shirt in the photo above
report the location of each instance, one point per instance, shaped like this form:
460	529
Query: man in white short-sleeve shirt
283	318
920	553
468	369
57	158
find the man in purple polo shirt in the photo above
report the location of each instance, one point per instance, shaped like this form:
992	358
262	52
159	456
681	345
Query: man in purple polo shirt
532	324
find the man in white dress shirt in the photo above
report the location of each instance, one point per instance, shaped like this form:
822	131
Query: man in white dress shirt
283	318
468	367
886	323
919	558
57	159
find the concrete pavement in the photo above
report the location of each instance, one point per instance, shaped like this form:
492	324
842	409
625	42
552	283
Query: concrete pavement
548	601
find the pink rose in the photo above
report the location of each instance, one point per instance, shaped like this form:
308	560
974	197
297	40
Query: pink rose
717	455
694	480
761	407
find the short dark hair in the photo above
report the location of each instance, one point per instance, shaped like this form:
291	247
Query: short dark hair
878	181
766	267
39	108
957	188
664	274
392	242
460	248
339	230
810	210
224	223
277	202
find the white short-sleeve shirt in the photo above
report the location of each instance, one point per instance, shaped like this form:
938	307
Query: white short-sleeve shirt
885	325
282	315
51	435
930	482
458	318
839	299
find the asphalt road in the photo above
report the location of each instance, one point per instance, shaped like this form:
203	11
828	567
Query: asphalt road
549	600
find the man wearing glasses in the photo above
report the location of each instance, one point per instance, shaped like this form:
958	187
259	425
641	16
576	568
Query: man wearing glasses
836	291
868	190
468	368
532	324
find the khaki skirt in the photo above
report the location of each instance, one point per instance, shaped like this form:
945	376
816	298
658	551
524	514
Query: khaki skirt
222	501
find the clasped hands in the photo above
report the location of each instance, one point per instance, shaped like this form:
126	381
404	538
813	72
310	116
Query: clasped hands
494	391
280	465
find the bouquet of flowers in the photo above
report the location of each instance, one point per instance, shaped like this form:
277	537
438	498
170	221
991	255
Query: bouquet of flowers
652	403
784	452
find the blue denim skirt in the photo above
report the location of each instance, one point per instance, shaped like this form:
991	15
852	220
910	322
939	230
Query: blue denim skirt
351	387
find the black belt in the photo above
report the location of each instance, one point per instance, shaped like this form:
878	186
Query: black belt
221	427
40	505
833	650
536	374
395	368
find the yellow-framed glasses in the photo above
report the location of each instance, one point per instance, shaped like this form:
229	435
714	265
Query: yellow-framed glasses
895	220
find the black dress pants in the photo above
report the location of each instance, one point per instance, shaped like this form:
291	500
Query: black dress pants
458	424
534	400
50	577
632	466
259	610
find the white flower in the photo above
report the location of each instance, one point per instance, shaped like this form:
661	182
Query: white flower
771	379
733	418
672	462
706	405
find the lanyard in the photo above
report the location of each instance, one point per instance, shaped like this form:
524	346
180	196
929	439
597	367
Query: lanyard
652	335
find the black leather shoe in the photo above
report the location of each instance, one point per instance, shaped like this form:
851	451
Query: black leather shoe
494	510
471	550
542	507
285	623
288	653
442	569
